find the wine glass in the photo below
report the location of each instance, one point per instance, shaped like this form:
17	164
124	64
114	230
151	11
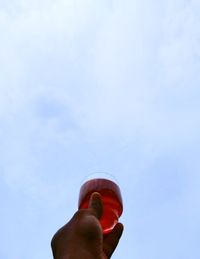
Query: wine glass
106	185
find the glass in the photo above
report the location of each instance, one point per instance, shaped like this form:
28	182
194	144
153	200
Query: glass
111	198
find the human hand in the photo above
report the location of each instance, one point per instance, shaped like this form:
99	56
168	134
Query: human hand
82	236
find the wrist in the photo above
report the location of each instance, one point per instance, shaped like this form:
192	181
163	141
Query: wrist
79	253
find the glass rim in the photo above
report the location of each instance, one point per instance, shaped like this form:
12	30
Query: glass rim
99	175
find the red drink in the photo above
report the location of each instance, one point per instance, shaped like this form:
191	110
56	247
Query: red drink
111	198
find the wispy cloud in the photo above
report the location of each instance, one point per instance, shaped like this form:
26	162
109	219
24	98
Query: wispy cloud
124	71
85	85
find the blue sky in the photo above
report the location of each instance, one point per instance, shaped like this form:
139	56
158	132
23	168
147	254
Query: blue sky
109	86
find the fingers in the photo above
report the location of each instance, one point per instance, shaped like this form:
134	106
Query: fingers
111	240
95	205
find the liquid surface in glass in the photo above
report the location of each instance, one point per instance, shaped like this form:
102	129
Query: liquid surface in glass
111	198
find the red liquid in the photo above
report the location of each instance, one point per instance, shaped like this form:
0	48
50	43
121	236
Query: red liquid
111	198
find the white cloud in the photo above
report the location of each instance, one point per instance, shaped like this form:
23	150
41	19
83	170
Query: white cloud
36	39
120	71
87	85
145	66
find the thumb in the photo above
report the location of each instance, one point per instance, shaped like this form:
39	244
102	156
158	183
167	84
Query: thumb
95	205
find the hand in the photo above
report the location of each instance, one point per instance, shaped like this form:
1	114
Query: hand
82	236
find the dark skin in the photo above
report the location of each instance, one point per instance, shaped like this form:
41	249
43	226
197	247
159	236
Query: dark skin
82	236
